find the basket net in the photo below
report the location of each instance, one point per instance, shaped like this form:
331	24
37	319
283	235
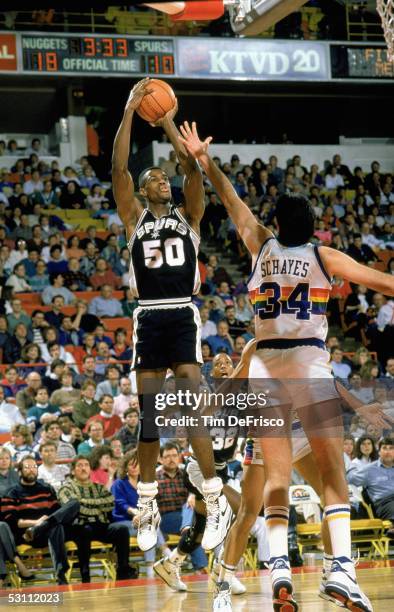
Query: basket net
385	9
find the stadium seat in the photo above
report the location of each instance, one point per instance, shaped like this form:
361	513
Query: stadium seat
30	298
102	555
78	214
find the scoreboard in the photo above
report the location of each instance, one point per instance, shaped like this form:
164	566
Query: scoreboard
97	55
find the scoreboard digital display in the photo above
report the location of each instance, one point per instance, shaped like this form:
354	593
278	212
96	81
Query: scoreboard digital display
87	54
361	62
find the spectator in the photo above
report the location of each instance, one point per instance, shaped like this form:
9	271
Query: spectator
52	351
124	399
67	394
69	333
17	315
30	264
111	422
103	357
128	434
243	309
21	442
88	370
36	148
54	317
56	289
88	262
18	280
72	196
333	179
74	279
121	349
91	236
49	472
95	431
86	406
32	511
360	251
48	197
102	469
378	479
208	328
365	451
364	394
236	327
239	345
42	412
53	433
105	305
349	447
8	475
172	495
100	336
11	382
9	415
110	386
339	369
13	350
92	522
25	398
33	184
40	280
222	341
56	264
104	276
52	381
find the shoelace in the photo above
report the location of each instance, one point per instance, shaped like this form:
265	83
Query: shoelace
146	515
213	510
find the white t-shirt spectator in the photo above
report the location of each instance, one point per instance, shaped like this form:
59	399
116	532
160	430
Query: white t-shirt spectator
208	329
54	476
332	182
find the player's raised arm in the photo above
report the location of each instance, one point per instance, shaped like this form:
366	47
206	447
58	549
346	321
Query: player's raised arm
193	187
129	208
337	263
251	231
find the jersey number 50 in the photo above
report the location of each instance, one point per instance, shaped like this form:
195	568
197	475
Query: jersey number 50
171	253
296	303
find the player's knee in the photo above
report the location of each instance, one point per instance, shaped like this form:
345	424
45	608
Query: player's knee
191	538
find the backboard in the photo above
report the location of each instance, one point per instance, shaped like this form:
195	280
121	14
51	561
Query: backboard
251	17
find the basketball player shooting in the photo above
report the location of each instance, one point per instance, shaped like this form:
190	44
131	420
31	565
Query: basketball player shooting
163	242
290	285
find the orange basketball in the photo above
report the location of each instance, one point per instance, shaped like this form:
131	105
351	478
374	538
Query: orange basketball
156	104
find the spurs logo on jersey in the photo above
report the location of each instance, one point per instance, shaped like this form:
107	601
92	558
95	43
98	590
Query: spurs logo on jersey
289	290
164	262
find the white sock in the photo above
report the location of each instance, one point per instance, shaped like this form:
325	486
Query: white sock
277	522
176	556
226	573
338	518
147	489
212	486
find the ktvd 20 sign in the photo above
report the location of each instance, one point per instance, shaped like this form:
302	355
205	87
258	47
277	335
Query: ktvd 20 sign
253	60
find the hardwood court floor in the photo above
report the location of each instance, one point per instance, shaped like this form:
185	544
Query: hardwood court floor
150	595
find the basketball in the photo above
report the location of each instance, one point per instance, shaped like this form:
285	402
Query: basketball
156	104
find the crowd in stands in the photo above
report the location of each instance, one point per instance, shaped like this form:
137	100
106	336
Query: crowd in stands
67	397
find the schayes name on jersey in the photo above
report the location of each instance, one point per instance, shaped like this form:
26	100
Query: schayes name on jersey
293	267
166	223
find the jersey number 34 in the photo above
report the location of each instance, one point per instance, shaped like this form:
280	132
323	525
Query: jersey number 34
276	303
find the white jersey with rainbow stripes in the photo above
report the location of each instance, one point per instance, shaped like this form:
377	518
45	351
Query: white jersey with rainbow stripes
289	289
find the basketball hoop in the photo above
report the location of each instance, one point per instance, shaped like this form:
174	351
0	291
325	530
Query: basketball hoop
385	9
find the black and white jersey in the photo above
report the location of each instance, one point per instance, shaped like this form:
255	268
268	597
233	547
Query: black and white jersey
224	436
164	266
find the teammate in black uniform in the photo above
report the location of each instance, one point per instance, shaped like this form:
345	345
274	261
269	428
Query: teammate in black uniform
163	241
224	442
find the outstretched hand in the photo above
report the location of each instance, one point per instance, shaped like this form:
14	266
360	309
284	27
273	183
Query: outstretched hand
139	90
191	140
375	415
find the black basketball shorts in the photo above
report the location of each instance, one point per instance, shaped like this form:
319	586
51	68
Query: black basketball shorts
166	336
